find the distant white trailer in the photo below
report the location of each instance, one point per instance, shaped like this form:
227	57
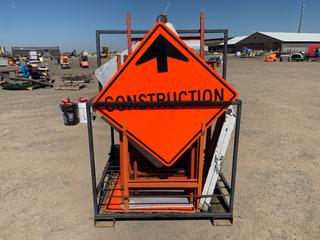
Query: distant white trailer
33	55
218	157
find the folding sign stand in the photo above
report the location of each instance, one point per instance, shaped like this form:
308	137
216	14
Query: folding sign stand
217	160
130	187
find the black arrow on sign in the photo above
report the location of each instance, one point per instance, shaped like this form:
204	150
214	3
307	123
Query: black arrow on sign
161	49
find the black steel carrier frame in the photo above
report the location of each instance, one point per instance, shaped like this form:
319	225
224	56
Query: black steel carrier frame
224	192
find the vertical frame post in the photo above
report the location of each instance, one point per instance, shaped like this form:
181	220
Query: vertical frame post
92	160
112	130
235	155
98	48
225	52
98	55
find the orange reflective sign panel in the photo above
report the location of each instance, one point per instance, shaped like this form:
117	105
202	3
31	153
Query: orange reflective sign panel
164	68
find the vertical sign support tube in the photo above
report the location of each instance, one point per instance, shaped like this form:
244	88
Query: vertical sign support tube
118	61
129	34
202	35
200	162
192	168
125	167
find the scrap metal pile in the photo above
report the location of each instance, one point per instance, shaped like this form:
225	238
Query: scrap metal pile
71	82
25	77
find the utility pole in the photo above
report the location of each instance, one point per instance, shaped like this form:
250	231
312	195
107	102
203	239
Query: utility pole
301	13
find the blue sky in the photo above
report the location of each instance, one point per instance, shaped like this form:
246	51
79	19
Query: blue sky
71	24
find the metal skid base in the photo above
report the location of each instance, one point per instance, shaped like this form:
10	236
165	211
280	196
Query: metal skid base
219	209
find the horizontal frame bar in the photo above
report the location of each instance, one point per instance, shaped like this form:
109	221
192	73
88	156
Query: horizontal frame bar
181	31
166	104
157	216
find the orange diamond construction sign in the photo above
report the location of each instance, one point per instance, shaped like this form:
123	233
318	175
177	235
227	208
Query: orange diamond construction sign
163	68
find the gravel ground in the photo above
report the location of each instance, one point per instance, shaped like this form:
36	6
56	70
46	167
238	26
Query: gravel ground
45	187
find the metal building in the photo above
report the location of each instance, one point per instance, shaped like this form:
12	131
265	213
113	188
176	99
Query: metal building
213	43
232	43
217	45
279	41
44	51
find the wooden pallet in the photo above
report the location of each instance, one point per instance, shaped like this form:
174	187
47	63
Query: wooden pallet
70	86
3	82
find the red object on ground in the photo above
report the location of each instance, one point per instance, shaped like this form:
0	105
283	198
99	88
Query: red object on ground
66	101
82	99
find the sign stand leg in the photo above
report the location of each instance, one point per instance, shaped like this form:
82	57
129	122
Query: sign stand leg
192	169
200	161
125	167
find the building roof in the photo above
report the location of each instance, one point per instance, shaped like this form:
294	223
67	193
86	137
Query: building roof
195	44
234	40
35	48
293	37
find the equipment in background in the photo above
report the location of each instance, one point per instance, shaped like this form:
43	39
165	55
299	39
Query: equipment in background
20	83
33	56
299	57
44	73
105	52
271	58
83	61
285	57
64	62
12	61
247	53
29	77
214	62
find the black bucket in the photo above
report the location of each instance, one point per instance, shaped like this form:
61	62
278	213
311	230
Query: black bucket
70	113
